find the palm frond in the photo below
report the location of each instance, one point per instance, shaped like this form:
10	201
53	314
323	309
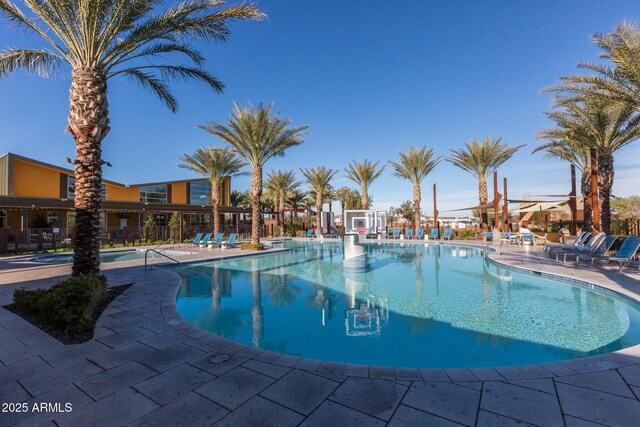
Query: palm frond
41	62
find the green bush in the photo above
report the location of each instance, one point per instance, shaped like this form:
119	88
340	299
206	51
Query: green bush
251	247
67	306
466	235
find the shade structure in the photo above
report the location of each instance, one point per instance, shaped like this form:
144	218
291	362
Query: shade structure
545	206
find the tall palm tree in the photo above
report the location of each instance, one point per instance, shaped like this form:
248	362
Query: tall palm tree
363	174
99	40
481	159
319	180
215	164
280	184
562	144
620	83
608	127
257	135
414	166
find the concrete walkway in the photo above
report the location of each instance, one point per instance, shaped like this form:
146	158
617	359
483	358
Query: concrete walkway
147	366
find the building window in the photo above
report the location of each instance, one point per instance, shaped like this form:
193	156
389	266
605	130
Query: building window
71	189
200	220
153	194
200	193
3	219
52	218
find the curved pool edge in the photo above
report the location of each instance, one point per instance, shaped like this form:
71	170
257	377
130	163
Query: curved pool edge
602	362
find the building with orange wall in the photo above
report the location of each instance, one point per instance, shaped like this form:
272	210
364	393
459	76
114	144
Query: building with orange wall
34	194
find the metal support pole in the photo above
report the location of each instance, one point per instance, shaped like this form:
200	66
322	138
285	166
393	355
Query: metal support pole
435	208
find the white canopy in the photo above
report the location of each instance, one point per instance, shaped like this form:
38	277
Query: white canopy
560	205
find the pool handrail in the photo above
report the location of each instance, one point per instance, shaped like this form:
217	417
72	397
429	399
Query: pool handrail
146	254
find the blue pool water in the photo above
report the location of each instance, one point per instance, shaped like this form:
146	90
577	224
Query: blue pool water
110	256
418	306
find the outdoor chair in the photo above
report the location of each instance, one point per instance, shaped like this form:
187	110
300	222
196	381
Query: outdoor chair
396	233
580	239
600	252
230	242
448	233
420	233
578	244
624	254
409	234
205	240
310	233
217	241
589	248
488	236
434	233
196	239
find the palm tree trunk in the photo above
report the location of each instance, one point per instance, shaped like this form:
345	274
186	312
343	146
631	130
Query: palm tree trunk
417	198
318	211
215	199
483	197
256	192
585	189
605	177
365	198
282	209
89	124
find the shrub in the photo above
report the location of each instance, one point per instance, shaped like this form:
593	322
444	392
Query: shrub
466	235
67	306
251	247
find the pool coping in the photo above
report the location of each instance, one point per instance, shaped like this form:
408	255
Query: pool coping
612	360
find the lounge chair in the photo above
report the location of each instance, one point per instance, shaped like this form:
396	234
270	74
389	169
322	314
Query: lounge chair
396	233
578	244
627	250
420	233
602	250
205	240
409	234
448	233
590	248
230	242
196	239
310	233
580	240
217	241
434	233
488	236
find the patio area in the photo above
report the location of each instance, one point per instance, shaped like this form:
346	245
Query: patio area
147	366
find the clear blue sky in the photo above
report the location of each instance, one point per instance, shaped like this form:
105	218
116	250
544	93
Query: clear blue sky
369	77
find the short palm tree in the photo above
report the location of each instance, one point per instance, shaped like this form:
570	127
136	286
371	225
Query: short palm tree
257	135
414	166
296	199
363	174
99	40
348	198
215	164
481	159
319	180
239	199
280	184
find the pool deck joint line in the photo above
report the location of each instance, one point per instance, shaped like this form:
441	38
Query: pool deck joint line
147	366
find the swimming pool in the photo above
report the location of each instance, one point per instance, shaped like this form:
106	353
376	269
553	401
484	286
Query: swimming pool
419	305
109	256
